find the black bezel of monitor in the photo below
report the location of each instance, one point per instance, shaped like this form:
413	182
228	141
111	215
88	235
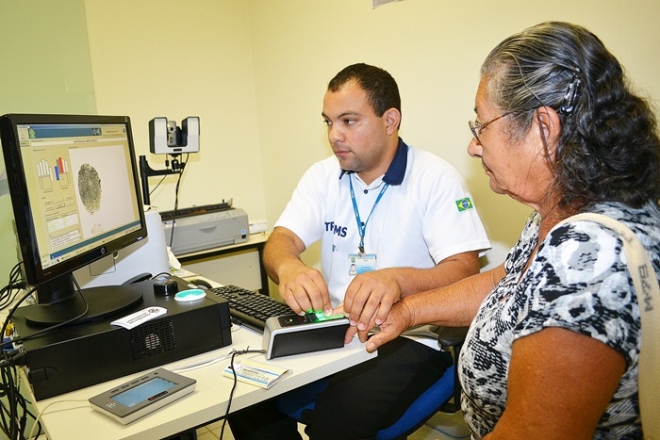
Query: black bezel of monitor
53	282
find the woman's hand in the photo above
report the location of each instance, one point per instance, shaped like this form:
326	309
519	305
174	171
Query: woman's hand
398	320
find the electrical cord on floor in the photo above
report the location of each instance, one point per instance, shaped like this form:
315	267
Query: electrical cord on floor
233	387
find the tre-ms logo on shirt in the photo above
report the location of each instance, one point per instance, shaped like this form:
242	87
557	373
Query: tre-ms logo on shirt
335	229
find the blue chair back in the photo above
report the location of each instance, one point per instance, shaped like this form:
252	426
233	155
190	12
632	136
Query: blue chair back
415	416
422	409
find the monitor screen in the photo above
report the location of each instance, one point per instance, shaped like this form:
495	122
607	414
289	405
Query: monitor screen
75	194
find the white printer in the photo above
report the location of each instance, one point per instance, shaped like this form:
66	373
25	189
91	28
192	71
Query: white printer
204	227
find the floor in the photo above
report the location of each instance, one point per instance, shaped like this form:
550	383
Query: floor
441	426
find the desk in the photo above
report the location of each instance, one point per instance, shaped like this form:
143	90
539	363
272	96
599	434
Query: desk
255	242
207	403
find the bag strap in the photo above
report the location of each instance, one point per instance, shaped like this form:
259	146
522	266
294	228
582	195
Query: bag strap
648	299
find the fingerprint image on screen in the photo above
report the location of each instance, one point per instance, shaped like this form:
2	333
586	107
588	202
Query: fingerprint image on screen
89	185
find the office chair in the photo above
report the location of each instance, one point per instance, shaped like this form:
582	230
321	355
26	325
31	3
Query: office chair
444	395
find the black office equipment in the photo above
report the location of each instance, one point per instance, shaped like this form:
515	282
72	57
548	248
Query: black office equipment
75	195
249	308
196	210
294	334
77	356
285	333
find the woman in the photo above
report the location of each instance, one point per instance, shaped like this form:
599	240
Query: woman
554	335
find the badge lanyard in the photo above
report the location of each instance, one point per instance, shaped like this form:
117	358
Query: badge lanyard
363	227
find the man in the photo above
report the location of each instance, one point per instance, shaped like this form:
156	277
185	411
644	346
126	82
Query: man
393	221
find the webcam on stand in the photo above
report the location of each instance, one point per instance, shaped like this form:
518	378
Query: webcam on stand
165	137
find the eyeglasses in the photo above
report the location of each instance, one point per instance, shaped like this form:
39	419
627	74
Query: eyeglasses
477	127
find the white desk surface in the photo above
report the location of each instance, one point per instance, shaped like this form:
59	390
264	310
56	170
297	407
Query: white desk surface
69	416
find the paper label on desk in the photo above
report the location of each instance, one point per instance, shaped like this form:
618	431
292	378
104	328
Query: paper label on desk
131	321
257	373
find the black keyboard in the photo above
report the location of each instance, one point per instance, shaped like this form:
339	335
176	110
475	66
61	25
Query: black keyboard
249	308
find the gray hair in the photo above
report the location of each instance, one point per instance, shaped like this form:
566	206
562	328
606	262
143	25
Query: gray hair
608	149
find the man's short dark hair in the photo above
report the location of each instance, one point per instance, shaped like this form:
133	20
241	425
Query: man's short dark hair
381	89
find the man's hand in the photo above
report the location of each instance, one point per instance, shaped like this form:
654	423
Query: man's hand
368	300
398	320
371	295
303	288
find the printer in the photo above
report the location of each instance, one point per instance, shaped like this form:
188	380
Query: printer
204	227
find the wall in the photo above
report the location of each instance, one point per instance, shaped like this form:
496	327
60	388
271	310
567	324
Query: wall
44	68
175	59
255	72
434	49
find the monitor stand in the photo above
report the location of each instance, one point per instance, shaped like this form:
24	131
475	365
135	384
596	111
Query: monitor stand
60	301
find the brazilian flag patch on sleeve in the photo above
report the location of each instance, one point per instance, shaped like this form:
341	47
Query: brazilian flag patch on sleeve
464	204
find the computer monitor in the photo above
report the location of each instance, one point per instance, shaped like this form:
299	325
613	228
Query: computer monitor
75	195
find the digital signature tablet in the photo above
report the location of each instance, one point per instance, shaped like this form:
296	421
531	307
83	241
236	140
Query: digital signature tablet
141	396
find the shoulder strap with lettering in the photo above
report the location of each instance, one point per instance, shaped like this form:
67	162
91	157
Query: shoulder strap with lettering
648	298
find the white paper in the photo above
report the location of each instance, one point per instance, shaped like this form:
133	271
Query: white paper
131	321
257	373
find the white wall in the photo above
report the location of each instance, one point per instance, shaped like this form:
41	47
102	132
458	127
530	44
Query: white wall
44	68
255	71
434	49
175	59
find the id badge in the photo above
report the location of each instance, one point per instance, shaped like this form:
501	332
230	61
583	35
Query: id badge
361	263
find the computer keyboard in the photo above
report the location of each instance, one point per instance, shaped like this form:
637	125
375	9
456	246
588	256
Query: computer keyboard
249	308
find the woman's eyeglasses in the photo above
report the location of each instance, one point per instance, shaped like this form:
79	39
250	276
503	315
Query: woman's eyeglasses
477	127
